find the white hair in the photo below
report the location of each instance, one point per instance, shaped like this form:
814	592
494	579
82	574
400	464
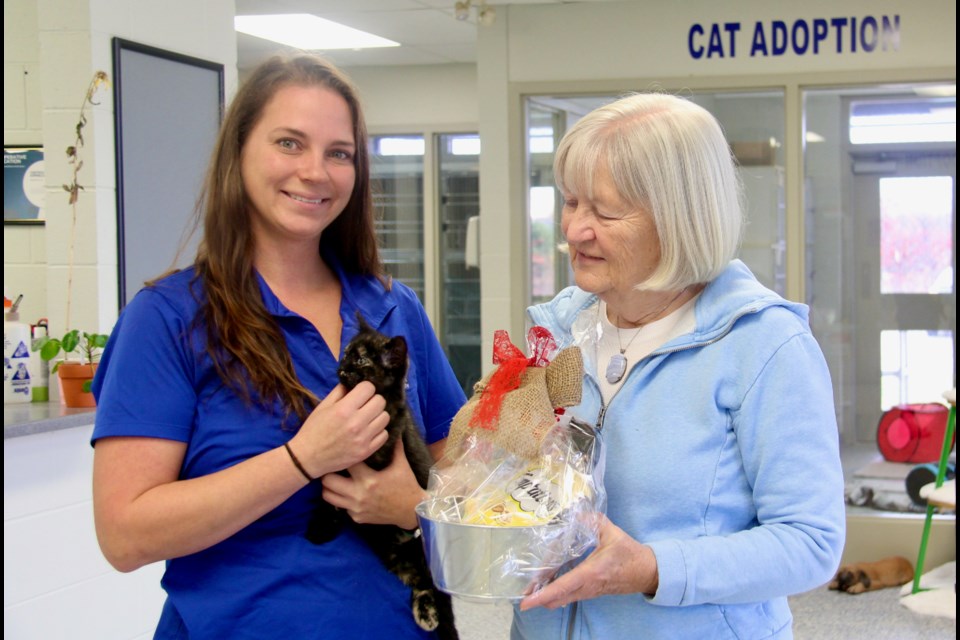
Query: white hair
668	156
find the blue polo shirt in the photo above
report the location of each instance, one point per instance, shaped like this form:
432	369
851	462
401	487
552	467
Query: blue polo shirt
266	581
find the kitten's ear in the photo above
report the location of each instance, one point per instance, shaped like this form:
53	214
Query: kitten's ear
395	352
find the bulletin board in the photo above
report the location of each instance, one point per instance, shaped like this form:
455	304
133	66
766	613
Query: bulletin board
168	111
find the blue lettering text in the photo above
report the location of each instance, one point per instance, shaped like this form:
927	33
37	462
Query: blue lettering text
695	52
759	43
801	37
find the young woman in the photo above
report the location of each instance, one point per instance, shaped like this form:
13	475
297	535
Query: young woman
218	398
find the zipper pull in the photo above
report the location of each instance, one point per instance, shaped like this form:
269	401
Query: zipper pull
603	412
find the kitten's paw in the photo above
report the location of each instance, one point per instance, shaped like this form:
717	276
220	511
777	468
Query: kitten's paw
425	609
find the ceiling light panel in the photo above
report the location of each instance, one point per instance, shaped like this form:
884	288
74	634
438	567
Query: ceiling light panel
308	32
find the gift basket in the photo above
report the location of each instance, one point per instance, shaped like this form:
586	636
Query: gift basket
517	494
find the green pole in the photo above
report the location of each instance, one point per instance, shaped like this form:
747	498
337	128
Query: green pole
941	474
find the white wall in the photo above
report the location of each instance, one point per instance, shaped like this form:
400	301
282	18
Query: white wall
651	39
60	43
433	96
24	248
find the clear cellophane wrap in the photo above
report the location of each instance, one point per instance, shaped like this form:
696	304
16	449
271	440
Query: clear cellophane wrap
515	458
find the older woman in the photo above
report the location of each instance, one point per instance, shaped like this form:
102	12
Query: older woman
723	474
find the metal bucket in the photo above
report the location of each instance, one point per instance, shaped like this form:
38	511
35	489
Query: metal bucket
485	562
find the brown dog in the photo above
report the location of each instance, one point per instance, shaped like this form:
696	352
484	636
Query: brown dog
870	576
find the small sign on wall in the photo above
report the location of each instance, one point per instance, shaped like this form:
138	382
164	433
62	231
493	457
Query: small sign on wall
23	185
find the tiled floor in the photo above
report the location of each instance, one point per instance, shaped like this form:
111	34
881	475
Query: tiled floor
482	621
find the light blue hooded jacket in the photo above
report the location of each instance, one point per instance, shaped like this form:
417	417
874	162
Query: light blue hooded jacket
722	456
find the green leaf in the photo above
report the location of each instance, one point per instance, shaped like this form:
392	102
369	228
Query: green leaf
70	341
50	348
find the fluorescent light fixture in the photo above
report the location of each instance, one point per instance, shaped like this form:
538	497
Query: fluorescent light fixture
308	32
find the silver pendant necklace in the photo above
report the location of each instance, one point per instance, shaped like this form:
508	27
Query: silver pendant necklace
617	366
618	361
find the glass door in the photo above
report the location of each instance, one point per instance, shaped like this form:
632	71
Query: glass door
451	286
396	166
549	269
904	213
458	157
879	206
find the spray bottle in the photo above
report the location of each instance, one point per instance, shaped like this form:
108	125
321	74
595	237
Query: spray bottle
16	355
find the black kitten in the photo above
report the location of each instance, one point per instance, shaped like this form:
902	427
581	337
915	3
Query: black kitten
381	360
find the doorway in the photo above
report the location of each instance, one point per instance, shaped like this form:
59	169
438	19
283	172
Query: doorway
904	301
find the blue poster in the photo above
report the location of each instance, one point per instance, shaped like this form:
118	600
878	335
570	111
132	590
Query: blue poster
23	183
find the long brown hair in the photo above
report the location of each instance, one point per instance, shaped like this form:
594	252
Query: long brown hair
244	341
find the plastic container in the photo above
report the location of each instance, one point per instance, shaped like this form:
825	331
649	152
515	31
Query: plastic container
912	432
17	379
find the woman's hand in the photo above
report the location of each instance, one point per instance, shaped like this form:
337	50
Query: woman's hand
344	429
618	565
377	497
145	513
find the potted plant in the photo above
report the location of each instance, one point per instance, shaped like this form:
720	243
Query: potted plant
76	374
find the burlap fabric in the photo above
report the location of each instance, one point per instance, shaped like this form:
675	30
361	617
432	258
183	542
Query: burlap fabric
526	413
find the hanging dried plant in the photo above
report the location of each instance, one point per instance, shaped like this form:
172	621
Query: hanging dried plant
74	188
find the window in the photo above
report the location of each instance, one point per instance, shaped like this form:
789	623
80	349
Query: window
903	120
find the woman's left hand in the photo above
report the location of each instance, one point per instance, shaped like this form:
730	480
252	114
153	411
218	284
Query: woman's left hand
618	565
377	497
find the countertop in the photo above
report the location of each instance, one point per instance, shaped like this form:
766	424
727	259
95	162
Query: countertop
30	418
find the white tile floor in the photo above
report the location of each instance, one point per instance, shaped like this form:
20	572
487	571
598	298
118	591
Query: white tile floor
482	621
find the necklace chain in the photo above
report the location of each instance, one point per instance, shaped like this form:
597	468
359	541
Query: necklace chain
643	319
623	349
617	366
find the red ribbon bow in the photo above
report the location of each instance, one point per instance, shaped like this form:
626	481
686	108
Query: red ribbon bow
509	373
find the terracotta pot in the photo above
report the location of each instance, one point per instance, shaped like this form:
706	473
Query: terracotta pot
73	378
